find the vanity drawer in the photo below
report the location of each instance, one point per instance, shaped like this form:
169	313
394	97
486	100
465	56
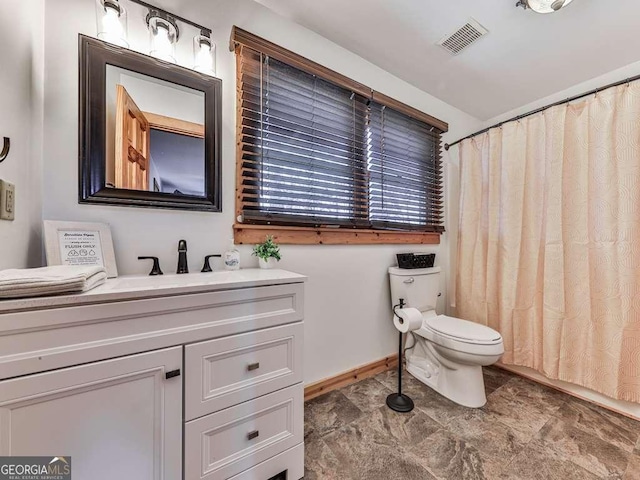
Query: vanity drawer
229	442
287	465
227	371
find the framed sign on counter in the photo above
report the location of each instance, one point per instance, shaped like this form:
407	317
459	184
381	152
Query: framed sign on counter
80	244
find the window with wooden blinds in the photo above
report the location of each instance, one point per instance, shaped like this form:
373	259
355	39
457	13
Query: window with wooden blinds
405	172
303	146
323	151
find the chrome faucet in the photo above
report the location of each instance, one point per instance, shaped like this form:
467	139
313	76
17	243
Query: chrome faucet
183	267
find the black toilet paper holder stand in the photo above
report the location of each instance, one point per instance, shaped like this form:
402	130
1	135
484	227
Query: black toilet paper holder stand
399	402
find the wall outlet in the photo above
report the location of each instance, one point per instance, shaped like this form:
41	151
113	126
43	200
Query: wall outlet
7	200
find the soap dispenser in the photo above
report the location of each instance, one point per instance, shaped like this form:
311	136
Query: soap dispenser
232	257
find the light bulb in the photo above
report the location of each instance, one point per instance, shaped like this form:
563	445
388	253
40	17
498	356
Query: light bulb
204	52
162	42
112	22
163	39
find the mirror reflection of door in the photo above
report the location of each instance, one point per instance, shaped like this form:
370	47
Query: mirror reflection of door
132	143
155	134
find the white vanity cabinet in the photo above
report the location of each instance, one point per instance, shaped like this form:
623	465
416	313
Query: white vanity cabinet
116	418
194	377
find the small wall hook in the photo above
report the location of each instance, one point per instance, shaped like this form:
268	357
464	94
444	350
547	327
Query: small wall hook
5	149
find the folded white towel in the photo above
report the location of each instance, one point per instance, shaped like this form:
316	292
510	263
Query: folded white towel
59	279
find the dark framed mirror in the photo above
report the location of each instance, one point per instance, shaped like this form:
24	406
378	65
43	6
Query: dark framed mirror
150	131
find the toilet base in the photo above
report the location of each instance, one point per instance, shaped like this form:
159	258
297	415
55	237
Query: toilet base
463	384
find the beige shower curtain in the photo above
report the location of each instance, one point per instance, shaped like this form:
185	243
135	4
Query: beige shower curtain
549	240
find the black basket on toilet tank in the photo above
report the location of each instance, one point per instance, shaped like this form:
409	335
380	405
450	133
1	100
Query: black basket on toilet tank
416	260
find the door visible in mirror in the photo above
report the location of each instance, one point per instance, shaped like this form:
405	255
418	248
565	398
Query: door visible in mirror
155	134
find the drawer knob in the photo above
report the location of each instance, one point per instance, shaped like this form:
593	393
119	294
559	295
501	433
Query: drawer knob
252	435
253	366
172	373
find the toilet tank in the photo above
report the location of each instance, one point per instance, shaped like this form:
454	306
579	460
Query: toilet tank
420	287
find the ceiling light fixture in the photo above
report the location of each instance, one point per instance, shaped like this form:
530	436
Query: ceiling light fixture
111	18
543	6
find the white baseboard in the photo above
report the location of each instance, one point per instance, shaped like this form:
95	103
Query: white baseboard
628	409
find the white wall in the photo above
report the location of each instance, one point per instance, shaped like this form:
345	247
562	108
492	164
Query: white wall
21	65
348	317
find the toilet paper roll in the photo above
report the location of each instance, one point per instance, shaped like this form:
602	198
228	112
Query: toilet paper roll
407	319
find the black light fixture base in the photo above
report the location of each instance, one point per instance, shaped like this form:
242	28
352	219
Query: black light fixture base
399	402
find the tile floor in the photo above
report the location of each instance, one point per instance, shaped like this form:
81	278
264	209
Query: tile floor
525	431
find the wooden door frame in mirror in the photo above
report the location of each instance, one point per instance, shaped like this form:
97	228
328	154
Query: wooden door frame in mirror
95	55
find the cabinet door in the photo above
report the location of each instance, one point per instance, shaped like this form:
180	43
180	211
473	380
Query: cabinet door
116	419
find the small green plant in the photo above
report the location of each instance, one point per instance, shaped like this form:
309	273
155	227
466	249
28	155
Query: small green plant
267	249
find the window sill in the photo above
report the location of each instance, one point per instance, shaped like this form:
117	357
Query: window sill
251	234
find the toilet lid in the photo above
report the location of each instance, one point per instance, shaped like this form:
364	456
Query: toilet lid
462	330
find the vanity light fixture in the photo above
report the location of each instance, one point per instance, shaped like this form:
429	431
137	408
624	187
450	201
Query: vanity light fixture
111	18
164	33
543	6
204	54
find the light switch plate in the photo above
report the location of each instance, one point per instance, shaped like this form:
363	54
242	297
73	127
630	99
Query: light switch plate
7	200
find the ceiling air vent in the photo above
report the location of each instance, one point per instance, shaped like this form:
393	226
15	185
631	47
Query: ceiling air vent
466	35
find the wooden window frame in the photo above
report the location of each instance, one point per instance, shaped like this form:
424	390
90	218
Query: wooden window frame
285	235
301	235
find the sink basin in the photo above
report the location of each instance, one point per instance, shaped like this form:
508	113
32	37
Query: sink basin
168	281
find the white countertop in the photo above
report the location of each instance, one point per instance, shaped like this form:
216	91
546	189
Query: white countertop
134	287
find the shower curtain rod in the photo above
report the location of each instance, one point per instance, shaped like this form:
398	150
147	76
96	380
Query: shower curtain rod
538	110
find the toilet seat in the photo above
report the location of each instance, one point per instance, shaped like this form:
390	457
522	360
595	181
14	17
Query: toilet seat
461	330
460	335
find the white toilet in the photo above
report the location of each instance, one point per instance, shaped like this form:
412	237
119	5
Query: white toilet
449	353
